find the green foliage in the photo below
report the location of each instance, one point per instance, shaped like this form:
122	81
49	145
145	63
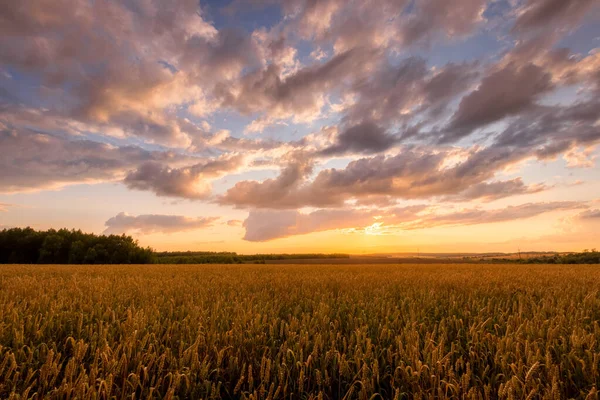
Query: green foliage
300	332
27	246
585	257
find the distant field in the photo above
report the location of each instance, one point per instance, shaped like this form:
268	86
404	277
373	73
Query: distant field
363	260
300	331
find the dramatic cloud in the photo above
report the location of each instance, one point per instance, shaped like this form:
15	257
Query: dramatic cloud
342	107
33	161
299	96
271	192
365	137
399	92
148	224
505	92
537	14
550	131
127	71
187	182
411	174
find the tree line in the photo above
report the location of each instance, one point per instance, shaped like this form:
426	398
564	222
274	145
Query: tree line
63	246
207	257
585	257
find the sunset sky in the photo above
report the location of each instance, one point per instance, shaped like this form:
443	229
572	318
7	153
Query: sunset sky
304	125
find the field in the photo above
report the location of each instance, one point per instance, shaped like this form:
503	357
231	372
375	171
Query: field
300	331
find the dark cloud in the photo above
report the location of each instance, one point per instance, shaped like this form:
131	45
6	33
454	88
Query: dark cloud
299	96
152	223
397	92
446	83
191	182
542	132
411	174
489	191
550	14
223	56
273	191
549	131
508	91
589	215
32	161
365	137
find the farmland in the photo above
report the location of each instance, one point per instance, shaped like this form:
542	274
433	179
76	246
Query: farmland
300	331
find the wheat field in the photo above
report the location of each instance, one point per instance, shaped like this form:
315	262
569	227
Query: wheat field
300	332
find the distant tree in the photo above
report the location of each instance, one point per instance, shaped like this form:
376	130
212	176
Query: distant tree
50	251
102	256
77	252
90	256
28	246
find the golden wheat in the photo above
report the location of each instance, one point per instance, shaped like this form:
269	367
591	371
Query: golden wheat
311	332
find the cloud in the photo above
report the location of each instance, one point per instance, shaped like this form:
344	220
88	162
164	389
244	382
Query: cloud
358	106
589	215
399	92
451	18
300	95
544	14
480	216
4	207
577	158
552	130
365	137
274	191
489	191
191	182
34	161
219	58
152	223
420	172
268	225
392	23
161	55
265	225
508	91
413	173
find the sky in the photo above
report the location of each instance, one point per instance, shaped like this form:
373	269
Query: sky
304	125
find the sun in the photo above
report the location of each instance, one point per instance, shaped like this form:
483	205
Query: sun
374	230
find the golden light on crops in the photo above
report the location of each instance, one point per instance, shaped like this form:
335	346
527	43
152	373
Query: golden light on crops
300	331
